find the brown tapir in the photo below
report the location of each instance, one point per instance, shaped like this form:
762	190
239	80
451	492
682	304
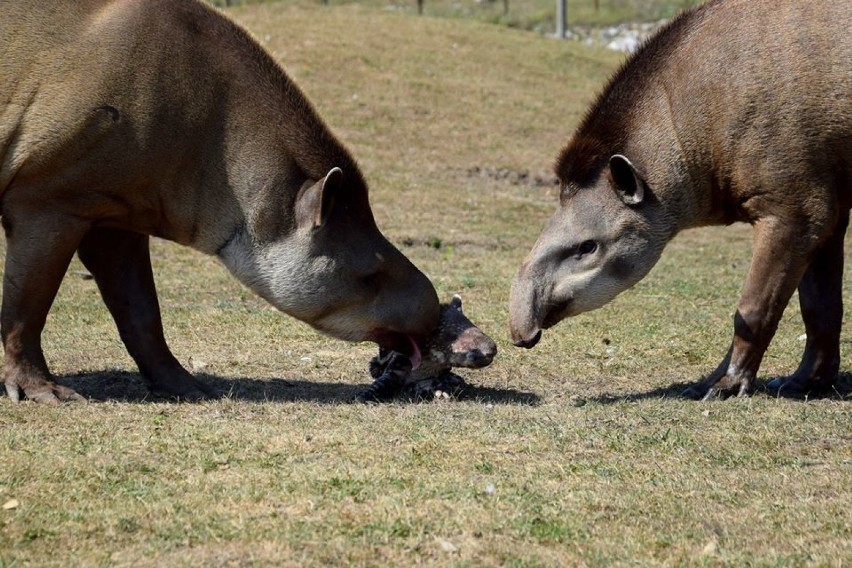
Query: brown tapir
739	110
121	119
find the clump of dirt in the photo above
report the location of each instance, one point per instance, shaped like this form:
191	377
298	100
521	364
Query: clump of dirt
515	177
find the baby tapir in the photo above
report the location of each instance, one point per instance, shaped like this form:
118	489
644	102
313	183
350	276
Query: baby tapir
121	119
738	110
457	342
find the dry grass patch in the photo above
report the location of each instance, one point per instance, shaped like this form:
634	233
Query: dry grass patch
537	15
577	453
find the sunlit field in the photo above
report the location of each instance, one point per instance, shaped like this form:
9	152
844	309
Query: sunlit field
577	453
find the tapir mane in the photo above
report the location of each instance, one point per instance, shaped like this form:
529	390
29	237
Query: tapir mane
307	138
606	124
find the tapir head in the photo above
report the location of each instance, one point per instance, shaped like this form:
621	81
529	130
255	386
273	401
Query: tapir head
333	269
459	343
605	236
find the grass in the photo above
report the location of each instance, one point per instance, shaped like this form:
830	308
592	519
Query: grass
538	15
577	453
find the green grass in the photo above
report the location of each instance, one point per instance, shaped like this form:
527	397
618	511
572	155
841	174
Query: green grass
577	453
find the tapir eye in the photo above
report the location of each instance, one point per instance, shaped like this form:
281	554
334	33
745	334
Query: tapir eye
587	247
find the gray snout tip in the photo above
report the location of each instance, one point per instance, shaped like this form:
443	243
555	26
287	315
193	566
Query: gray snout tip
528	343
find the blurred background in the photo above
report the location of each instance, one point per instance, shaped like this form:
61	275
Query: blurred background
533	15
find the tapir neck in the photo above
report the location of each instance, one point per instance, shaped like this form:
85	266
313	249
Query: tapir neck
649	112
265	142
682	127
671	168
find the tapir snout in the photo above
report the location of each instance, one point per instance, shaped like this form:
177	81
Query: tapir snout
473	350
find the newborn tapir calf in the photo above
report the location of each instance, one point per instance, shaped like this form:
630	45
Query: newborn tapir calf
457	342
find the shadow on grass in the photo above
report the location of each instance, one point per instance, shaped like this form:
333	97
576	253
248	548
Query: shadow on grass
842	390
124	386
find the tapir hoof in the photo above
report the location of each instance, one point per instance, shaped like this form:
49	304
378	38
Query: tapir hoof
445	386
710	389
383	389
798	386
43	392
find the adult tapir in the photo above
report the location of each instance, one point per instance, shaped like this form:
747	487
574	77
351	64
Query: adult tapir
121	119
739	110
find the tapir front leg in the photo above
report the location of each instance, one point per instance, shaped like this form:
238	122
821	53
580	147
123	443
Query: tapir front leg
821	302
39	247
781	249
121	264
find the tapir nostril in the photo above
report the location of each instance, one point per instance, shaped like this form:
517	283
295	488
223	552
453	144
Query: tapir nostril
477	359
530	342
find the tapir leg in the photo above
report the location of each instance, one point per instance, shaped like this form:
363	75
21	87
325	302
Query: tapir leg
121	264
821	301
39	247
780	256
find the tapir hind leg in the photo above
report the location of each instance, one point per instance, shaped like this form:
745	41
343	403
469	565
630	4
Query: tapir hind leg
39	247
121	264
821	302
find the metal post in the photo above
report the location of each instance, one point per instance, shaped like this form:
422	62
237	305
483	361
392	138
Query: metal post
561	18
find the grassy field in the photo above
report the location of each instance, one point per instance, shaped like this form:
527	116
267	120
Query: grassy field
577	453
538	15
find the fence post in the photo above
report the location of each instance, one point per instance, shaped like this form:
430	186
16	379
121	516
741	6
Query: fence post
561	18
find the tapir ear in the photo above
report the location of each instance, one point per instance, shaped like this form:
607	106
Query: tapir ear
628	183
456	302
315	201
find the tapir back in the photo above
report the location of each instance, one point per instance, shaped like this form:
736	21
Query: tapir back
727	94
111	100
770	82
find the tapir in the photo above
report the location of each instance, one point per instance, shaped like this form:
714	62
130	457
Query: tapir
126	119
738	110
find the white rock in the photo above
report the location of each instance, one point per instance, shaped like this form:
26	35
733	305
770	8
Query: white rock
627	44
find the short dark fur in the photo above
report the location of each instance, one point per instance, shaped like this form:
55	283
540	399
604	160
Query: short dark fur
582	159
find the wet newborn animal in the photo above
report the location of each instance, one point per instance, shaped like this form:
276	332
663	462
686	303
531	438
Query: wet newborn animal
457	342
